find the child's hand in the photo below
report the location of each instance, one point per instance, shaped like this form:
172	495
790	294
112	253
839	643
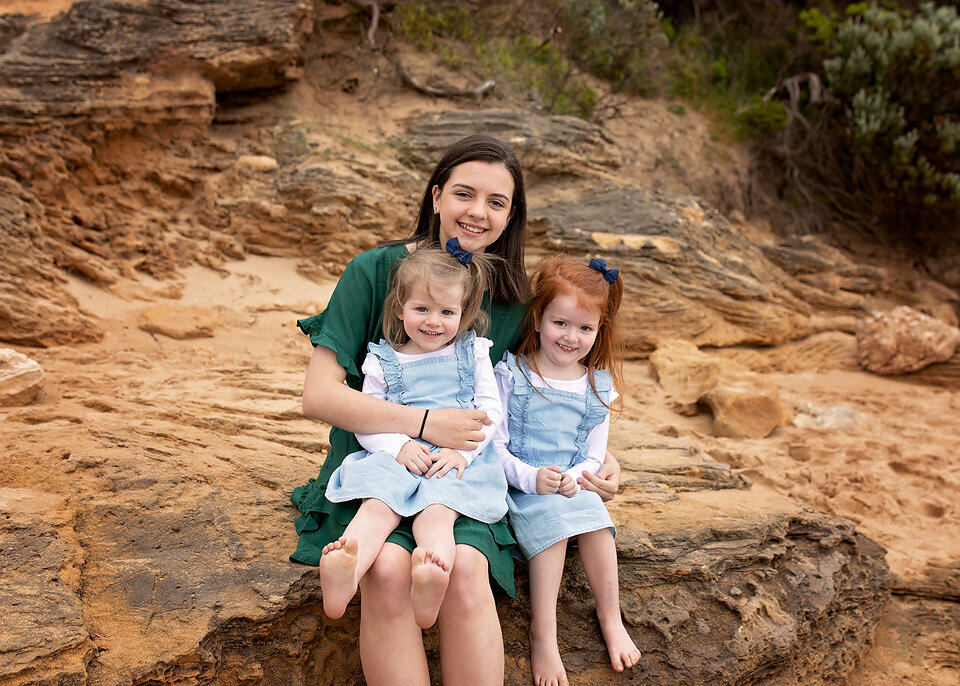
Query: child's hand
446	459
568	486
415	457
548	480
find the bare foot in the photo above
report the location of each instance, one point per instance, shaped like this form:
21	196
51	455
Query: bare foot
338	579
623	652
430	576
545	662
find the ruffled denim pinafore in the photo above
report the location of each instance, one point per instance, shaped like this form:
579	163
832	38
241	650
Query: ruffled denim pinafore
549	427
430	383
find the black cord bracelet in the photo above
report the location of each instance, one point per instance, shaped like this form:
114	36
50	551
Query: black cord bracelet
423	423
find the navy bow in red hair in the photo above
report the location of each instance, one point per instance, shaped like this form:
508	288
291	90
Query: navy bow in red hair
601	266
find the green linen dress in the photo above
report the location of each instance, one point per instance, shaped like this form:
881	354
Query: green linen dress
352	320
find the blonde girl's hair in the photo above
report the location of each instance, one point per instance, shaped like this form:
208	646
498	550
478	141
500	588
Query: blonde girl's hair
559	275
432	268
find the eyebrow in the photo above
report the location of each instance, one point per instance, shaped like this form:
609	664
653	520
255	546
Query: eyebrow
471	188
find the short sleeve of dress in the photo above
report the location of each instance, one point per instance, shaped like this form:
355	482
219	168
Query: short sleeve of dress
353	316
503	374
372	367
481	347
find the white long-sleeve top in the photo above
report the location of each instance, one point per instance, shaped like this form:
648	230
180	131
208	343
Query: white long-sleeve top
486	397
519	474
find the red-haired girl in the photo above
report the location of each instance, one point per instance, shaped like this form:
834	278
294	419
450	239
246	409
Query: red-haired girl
557	393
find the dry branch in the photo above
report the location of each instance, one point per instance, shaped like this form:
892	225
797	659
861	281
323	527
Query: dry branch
374	8
443	90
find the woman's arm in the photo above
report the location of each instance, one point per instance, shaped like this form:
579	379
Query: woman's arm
327	398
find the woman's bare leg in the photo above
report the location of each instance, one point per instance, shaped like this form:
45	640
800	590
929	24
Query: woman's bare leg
344	562
432	561
598	553
471	644
546	571
391	645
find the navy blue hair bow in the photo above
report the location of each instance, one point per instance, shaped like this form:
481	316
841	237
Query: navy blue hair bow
463	257
601	266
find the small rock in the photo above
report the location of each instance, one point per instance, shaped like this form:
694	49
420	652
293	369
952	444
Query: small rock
746	405
179	322
257	163
684	373
840	418
20	378
904	340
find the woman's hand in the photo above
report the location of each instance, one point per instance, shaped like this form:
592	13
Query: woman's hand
446	459
456	429
606	482
415	457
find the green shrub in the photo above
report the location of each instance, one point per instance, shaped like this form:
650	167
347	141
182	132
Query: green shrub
898	76
614	39
762	116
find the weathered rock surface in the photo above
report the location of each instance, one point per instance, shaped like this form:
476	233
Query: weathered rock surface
904	340
100	105
20	378
159	544
687	274
34	307
744	404
44	637
548	146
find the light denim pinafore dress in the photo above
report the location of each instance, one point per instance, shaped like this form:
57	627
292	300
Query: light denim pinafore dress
431	383
547	428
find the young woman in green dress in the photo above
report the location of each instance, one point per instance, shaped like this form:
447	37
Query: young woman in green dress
475	194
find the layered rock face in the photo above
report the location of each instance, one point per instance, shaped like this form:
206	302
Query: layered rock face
155	552
102	108
153	549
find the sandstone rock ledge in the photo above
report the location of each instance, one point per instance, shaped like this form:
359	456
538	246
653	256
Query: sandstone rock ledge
168	565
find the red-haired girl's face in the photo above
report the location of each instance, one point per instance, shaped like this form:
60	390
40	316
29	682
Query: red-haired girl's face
475	204
567	333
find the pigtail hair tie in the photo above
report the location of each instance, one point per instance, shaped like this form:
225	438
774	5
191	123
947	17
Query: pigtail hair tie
463	257
601	266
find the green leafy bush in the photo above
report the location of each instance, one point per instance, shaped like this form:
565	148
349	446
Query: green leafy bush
898	77
614	39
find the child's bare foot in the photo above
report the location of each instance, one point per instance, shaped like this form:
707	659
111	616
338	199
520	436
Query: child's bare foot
545	662
623	652
338	579
430	576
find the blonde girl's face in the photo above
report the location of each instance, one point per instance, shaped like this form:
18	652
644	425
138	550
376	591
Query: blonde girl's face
431	318
567	334
475	205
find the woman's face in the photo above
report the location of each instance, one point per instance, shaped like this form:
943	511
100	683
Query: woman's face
475	204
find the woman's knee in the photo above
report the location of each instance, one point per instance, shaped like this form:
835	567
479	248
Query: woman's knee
386	585
469	590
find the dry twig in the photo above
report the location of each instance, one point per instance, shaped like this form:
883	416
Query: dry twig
374	8
443	90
